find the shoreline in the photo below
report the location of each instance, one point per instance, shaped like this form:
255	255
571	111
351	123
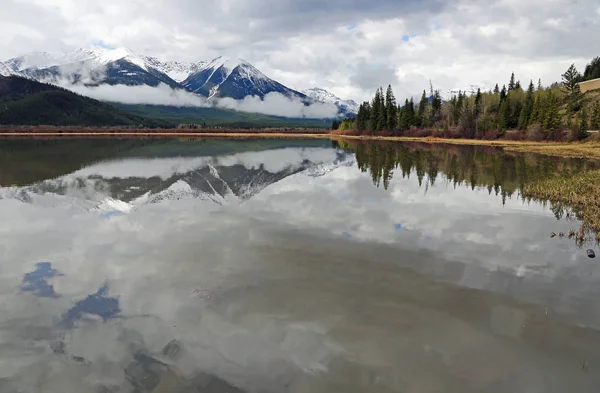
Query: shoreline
586	149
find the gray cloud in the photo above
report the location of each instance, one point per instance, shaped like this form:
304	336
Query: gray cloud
323	43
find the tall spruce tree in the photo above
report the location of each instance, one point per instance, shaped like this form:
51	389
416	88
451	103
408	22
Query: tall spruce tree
584	125
496	89
478	103
422	122
391	108
412	121
503	93
511	83
570	81
551	113
595	123
363	117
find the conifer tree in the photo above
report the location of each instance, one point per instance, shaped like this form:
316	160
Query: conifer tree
511	83
550	113
583	121
478	99
536	113
518	85
391	108
504	115
539	86
496	89
570	81
422	110
377	112
595	123
363	116
503	93
411	113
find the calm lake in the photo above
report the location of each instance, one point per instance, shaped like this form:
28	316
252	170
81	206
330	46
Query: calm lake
289	266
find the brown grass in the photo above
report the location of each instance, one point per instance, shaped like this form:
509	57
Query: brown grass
581	192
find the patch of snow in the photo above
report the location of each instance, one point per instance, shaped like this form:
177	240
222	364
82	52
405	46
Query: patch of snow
178	71
34	59
329	98
4	70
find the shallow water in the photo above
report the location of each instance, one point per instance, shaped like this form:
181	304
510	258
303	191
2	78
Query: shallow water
289	266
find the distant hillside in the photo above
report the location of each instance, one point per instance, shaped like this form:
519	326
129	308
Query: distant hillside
28	102
217	117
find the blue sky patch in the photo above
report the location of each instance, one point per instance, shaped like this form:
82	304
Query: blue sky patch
96	304
103	44
37	283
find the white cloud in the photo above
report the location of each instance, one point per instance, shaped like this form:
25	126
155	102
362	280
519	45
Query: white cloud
160	95
277	104
274	104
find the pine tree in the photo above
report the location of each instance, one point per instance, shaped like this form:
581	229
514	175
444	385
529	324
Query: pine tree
527	110
583	121
391	108
511	84
403	117
570	81
377	112
536	113
496	89
412	118
539	86
504	115
503	93
595	123
478	99
518	85
551	114
522	124
363	116
422	110
436	106
382	113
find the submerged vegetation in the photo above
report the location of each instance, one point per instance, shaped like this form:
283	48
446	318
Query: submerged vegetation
580	192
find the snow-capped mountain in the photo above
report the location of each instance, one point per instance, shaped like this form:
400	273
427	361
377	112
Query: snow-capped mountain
234	78
122	185
33	59
220	77
5	70
178	71
323	95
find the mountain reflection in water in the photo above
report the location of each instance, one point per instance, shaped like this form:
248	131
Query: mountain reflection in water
288	266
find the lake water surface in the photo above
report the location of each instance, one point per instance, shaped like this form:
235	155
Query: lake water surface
289	266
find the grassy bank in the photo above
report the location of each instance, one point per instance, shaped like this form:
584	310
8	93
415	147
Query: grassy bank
581	192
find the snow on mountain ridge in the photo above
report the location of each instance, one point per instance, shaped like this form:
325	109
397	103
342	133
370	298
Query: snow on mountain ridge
33	59
330	98
5	70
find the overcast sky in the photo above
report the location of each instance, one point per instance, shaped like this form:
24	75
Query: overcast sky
349	47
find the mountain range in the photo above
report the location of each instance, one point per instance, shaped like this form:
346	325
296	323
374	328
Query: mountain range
218	78
222	180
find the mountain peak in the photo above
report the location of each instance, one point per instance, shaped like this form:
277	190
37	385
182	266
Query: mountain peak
323	95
